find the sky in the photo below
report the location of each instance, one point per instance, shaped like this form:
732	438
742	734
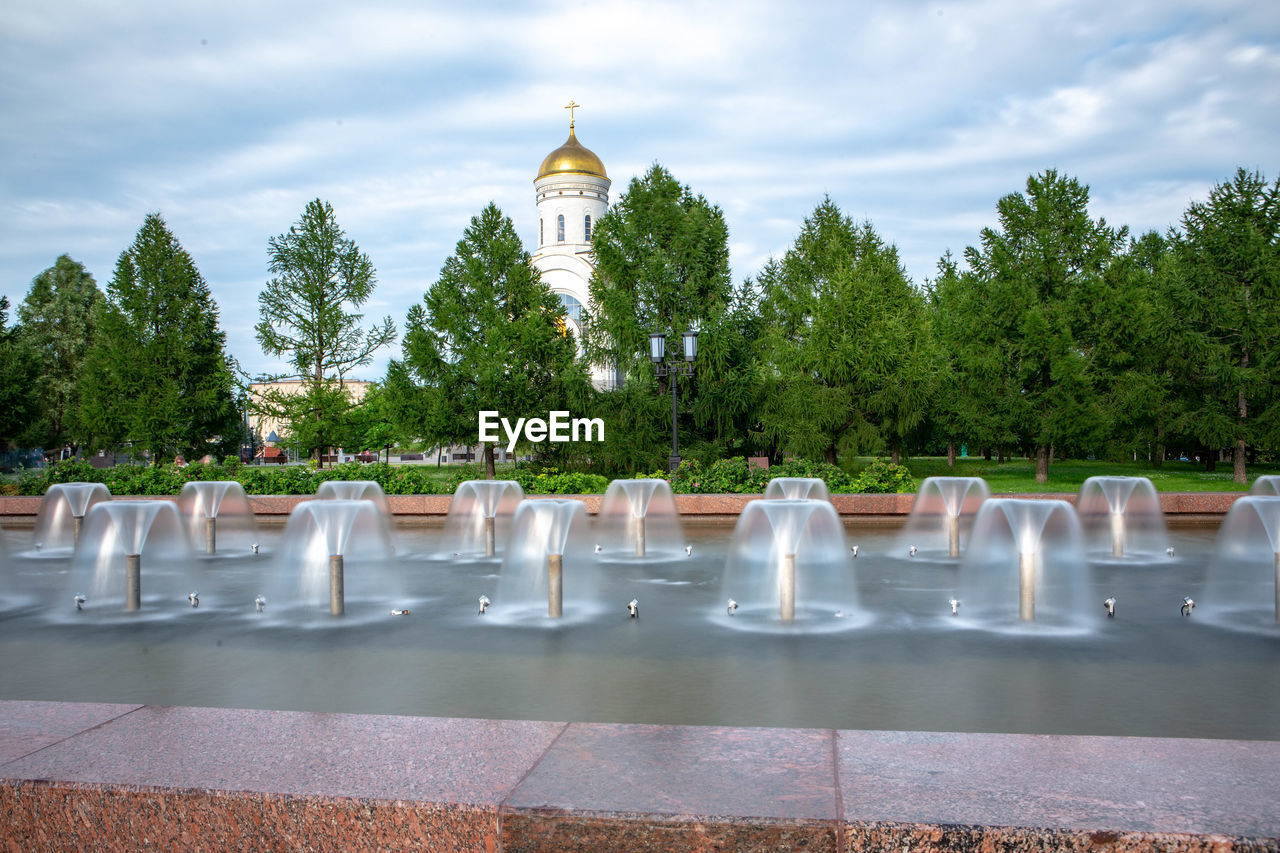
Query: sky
410	117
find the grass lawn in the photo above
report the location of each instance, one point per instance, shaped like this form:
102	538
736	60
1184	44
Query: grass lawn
1019	475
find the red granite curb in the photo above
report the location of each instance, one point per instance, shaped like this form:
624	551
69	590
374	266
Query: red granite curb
89	777
1175	504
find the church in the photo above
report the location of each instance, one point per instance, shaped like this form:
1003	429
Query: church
572	192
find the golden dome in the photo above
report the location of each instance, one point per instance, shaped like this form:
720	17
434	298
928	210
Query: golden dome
572	157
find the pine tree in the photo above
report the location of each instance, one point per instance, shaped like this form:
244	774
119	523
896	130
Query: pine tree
157	374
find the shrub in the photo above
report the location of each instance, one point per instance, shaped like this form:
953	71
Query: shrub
883	477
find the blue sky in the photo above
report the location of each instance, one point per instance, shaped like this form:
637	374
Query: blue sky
410	117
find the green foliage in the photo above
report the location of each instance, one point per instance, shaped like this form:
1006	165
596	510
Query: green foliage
18	371
58	321
157	375
883	477
846	342
307	314
1226	268
736	475
1032	281
551	481
662	265
489	335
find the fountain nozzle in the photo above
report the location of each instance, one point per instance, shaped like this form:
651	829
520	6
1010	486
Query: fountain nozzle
955	606
404	612
1169	550
194	598
854	549
733	605
259	603
80	600
254	547
598	548
688	550
1110	606
1188	604
633	608
484	604
912	552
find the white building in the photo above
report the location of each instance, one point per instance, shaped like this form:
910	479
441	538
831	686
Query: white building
572	191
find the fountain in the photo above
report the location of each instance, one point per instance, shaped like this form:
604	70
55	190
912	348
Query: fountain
1025	559
115	537
796	488
479	518
1244	575
214	508
942	514
639	517
62	512
318	540
1121	516
788	566
1267	484
543	533
354	490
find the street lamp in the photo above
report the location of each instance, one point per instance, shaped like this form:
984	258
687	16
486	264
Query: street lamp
674	369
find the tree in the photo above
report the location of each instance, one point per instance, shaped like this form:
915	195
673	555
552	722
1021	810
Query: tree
307	315
18	372
846	341
489	335
1227	290
157	372
662	265
1035	273
57	319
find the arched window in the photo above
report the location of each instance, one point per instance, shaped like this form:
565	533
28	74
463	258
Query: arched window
560	228
542	238
587	227
572	307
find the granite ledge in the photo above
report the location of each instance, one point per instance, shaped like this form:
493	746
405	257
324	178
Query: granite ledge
123	781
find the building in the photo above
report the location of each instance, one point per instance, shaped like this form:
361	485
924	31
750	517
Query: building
572	193
269	431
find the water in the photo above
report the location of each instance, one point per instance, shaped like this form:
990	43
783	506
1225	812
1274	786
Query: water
942	516
1025	568
321	530
1245	565
1121	517
218	517
1149	671
795	488
549	573
62	511
789	569
638	518
116	533
480	514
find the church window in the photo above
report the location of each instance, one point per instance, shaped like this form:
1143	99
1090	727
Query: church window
560	228
541	231
572	307
587	227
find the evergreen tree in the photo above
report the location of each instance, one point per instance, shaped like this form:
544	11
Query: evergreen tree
18	375
489	335
662	265
1035	274
307	315
847	341
57	319
1227	293
157	373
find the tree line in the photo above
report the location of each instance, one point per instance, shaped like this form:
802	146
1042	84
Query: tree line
1056	335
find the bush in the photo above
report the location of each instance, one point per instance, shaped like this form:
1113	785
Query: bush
736	475
883	477
551	481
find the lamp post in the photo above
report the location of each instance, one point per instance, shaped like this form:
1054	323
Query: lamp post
674	369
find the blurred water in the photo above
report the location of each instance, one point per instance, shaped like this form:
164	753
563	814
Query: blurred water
1149	671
